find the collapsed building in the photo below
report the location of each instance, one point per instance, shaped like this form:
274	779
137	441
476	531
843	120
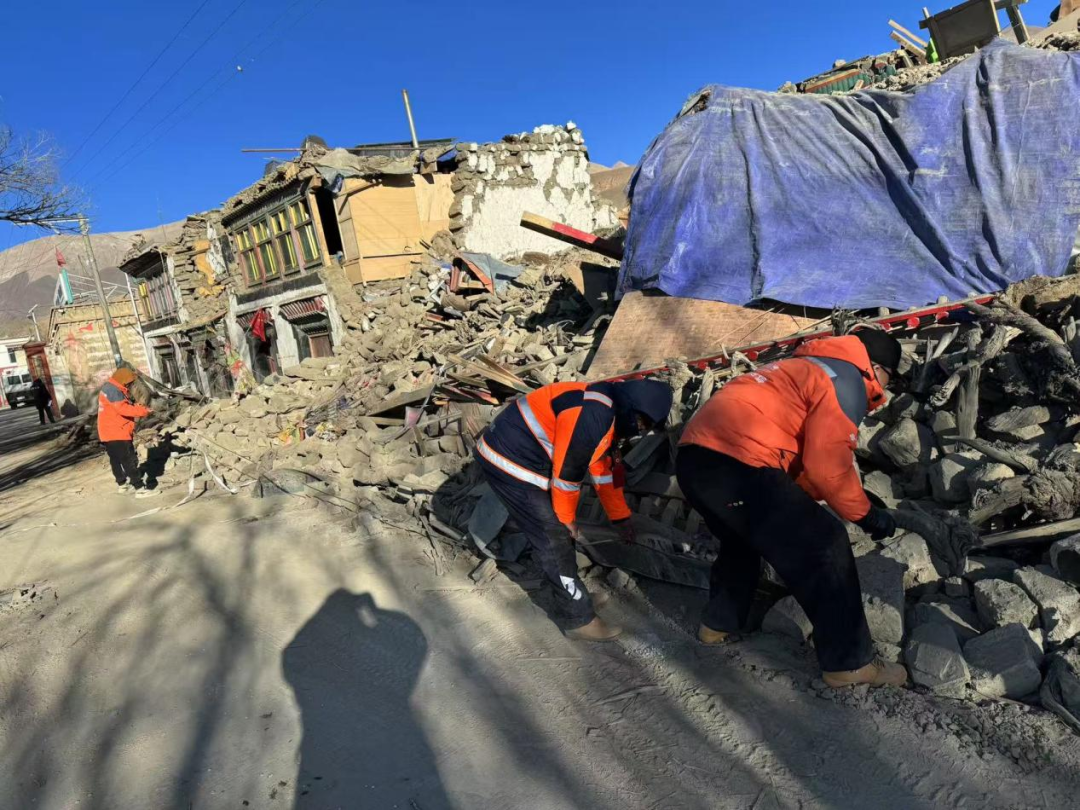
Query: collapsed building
978	458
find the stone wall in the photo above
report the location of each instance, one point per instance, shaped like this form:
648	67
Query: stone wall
545	172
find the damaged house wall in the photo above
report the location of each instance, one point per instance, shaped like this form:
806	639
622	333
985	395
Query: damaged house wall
181	292
79	355
545	172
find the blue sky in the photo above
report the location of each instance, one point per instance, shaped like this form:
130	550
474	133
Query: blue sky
475	71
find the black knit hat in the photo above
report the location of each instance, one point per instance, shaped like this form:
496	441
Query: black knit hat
883	348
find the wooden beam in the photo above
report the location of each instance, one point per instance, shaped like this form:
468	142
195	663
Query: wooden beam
908	47
1031	534
571	235
900	29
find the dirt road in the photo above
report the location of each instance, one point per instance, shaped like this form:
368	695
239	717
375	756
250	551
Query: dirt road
234	652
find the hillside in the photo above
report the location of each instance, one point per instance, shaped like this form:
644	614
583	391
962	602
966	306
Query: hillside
28	271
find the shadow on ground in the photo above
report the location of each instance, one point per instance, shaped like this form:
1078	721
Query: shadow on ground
352	668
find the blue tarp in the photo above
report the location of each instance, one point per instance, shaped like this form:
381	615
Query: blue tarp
965	184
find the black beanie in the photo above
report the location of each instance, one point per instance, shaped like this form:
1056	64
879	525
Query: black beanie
883	348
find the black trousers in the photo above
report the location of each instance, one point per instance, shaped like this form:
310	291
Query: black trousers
43	411
550	540
124	462
758	512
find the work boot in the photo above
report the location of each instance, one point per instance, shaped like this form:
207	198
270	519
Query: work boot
147	493
596	630
876	673
706	635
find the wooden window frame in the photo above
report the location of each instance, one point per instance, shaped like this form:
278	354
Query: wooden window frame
290	224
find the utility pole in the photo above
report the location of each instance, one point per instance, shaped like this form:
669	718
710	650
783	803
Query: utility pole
84	228
33	317
408	114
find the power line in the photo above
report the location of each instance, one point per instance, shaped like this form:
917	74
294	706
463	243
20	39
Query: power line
162	86
135	84
231	74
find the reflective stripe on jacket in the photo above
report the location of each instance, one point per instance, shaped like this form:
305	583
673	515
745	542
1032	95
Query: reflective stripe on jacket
799	415
554	437
116	415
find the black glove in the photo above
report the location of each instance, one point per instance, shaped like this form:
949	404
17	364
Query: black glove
625	528
878	523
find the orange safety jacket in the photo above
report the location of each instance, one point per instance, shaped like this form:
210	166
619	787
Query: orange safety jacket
800	415
116	415
552	438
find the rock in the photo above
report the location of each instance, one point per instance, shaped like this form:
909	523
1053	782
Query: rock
283	403
882	485
882	583
948	477
980	568
889	652
943	423
305	373
907	443
1000	603
316	362
786	618
583	561
960	617
869	446
934	659
1065	557
229	416
1059	603
957	587
1020	423
985	476
618	578
911	551
1002	663
183	419
349	455
254	407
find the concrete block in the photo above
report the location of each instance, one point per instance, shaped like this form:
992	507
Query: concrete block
786	618
1065	557
1001	662
882	582
935	661
1000	603
912	552
948	477
960	617
1059	603
907	443
979	568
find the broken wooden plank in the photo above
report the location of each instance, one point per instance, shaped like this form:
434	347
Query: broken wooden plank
1032	534
905	32
571	235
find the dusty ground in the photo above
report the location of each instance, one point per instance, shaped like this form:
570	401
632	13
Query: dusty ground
235	653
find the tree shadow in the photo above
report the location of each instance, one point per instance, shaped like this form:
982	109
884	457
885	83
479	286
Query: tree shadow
353	668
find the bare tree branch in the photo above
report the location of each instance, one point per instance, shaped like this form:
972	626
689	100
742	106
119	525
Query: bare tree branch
30	187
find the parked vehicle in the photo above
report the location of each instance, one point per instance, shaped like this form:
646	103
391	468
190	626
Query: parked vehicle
18	388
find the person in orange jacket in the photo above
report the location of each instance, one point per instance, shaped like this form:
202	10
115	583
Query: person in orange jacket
116	430
755	461
535	456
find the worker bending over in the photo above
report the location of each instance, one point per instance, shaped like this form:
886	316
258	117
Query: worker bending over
116	430
535	456
754	462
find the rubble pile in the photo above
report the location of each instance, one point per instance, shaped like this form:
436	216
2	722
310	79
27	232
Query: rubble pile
977	593
422	365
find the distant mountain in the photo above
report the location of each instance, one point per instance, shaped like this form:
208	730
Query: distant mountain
28	271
